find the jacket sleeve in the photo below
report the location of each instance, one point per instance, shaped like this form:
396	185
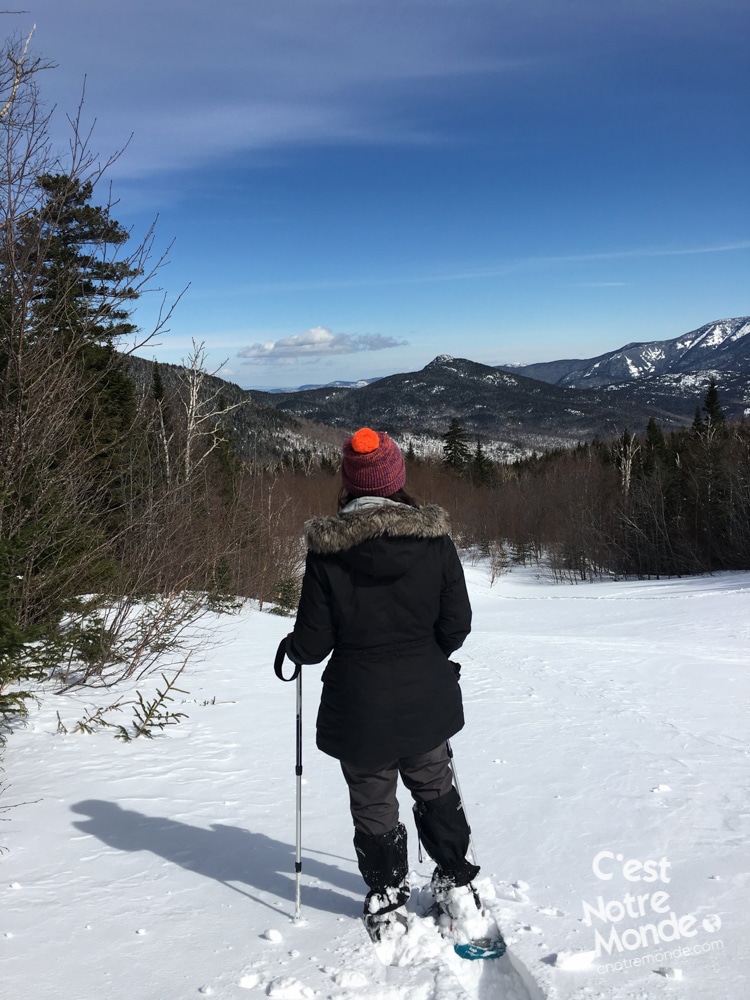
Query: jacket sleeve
454	620
314	635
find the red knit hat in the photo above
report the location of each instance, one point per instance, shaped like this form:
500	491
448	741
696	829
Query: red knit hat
372	464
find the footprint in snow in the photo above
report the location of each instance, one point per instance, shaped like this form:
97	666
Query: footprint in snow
350	979
249	981
511	894
573	960
669	973
289	989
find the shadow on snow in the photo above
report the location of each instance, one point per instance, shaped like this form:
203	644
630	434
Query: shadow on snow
227	854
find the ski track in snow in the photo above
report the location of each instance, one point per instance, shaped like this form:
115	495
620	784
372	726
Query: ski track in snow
605	717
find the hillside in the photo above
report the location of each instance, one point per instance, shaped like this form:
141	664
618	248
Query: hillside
512	409
260	432
497	405
720	346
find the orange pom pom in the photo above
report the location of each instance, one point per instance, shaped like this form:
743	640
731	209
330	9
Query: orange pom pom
365	440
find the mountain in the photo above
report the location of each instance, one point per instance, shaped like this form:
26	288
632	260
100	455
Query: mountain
260	432
563	403
495	404
721	346
324	385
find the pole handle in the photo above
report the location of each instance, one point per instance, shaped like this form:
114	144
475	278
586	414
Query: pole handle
278	663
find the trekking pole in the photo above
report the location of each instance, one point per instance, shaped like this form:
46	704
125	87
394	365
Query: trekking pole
473	853
296	675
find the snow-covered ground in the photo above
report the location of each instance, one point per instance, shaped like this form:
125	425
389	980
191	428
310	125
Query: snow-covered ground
604	765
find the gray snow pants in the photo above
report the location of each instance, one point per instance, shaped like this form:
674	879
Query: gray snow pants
372	794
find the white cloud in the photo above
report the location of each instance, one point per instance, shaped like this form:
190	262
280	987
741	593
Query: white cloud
318	342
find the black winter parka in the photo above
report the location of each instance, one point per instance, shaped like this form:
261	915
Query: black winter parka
384	591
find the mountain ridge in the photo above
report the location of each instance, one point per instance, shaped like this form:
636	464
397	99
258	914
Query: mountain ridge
504	406
725	342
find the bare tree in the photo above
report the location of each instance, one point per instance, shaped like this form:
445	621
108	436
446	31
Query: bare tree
204	413
17	70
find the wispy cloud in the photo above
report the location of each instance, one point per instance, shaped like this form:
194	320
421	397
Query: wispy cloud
603	284
318	342
242	77
643	252
496	270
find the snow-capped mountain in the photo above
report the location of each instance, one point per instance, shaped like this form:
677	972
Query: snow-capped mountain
722	346
359	384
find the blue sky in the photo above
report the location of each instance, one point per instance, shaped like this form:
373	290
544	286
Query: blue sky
356	186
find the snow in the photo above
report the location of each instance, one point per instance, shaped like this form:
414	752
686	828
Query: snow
604	768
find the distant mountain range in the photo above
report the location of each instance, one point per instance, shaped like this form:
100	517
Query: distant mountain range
720	346
513	409
549	404
359	384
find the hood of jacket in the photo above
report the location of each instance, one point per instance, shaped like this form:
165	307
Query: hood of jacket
348	529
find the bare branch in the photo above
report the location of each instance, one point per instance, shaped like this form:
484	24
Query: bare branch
21	70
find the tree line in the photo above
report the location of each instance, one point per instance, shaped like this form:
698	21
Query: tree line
645	505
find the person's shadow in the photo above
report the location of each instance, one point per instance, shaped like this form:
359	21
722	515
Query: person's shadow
227	854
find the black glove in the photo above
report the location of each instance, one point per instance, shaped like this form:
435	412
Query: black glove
456	669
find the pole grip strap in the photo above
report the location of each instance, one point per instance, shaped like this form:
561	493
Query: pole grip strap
278	663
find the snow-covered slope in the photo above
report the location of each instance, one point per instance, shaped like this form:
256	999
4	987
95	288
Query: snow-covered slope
604	765
723	345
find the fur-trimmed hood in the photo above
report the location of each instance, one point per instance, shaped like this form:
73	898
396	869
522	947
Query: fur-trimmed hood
341	532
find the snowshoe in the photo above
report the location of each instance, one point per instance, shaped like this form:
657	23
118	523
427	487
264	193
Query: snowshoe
458	911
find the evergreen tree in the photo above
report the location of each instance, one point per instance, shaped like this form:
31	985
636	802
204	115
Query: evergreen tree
715	416
66	409
157	383
654	436
482	468
455	450
82	289
83	296
654	447
697	427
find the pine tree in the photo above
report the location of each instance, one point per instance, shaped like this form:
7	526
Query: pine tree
66	408
455	450
82	289
654	436
157	383
715	416
482	469
697	427
83	295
